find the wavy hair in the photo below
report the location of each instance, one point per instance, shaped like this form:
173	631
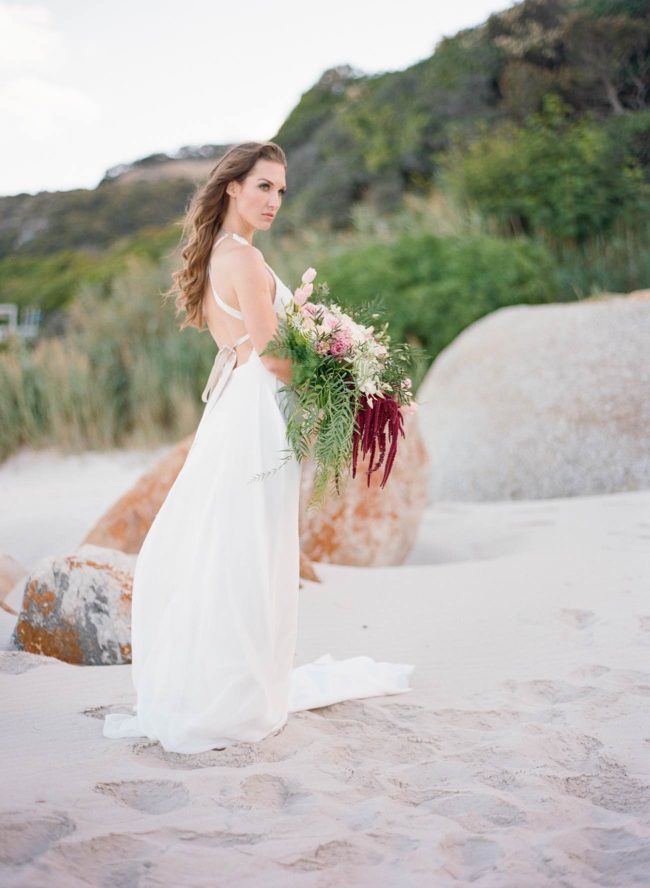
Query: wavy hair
203	219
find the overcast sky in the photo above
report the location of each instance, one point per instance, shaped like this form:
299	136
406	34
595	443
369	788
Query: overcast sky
86	85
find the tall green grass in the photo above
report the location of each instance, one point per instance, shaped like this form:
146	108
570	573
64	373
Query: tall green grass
122	375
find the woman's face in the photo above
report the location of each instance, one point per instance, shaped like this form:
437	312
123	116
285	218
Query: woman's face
258	198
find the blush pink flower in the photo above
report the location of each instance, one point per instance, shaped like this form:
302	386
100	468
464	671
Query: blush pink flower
309	275
330	322
302	294
341	343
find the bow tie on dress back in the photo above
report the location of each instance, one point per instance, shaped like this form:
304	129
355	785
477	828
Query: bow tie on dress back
222	368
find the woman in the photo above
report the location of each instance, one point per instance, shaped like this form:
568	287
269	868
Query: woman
215	588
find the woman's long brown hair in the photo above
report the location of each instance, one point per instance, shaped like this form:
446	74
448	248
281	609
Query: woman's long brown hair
203	219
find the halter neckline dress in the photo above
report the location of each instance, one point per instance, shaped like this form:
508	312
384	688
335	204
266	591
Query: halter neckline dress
214	609
226	358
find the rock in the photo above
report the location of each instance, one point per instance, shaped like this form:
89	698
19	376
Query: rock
126	523
370	526
77	608
537	401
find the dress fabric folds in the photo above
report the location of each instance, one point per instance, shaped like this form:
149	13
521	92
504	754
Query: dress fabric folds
215	588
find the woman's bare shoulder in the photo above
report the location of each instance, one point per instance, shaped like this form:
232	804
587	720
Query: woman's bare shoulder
246	259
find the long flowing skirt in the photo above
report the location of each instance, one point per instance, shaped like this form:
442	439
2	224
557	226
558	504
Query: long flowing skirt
215	589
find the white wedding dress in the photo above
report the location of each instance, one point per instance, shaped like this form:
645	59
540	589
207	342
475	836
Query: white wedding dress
215	588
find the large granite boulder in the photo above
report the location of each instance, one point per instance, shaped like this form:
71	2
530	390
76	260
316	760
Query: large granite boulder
77	608
536	401
125	525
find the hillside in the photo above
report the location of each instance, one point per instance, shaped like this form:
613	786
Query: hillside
354	136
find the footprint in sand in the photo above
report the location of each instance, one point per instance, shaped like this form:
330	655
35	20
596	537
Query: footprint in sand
615	851
644	622
608	787
387	719
591	670
347	709
261	791
576	617
548	690
479	854
475	811
150	796
332	854
111	859
240	755
24	835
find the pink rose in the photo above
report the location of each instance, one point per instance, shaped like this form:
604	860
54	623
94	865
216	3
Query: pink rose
342	342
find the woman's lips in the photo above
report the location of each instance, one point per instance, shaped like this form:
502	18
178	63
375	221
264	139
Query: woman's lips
269	215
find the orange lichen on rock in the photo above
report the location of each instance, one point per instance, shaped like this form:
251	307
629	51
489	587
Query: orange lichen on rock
370	525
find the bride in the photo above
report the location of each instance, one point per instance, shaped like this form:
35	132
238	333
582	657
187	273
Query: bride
215	588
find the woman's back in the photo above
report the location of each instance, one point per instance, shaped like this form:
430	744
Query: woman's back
221	308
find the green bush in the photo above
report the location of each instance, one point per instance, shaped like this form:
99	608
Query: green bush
53	281
565	181
432	288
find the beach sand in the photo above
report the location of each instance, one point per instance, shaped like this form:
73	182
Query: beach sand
521	757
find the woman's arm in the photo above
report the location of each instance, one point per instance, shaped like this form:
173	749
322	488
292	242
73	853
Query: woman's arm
251	282
280	366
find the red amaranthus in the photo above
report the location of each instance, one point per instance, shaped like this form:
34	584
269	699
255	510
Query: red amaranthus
377	421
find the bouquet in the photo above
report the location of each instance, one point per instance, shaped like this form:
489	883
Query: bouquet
349	389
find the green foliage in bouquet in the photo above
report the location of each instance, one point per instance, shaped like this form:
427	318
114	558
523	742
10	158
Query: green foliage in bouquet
340	366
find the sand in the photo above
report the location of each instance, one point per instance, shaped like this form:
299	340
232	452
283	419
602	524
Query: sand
520	758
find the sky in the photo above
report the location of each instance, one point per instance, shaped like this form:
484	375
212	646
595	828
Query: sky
88	85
